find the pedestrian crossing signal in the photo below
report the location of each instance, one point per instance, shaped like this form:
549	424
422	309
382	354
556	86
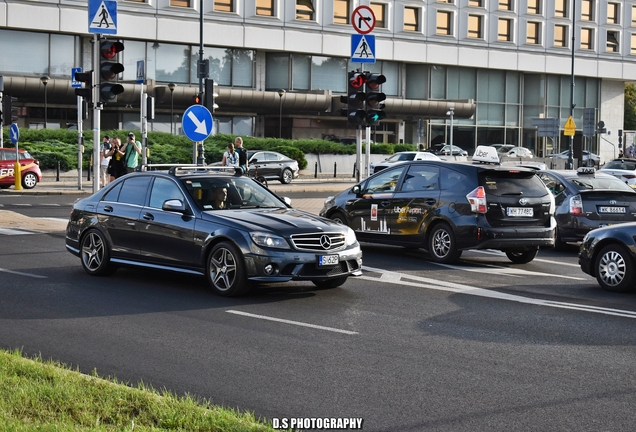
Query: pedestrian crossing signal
198	99
87	91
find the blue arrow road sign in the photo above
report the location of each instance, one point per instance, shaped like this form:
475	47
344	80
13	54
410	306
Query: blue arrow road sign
102	16
197	122
14	133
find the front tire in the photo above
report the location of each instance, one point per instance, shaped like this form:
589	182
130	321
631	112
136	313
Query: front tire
330	283
286	176
226	270
615	269
522	257
339	217
442	245
29	180
95	254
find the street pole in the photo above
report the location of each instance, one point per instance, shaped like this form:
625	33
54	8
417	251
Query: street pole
45	80
570	155
450	112
171	86
281	92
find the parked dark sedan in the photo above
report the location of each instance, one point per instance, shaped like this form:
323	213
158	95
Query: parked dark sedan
446	207
609	254
211	222
587	199
272	165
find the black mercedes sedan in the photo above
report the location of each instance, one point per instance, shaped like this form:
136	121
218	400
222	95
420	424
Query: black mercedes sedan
587	199
447	207
609	254
213	222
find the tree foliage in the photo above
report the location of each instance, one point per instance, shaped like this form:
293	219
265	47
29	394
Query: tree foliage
630	107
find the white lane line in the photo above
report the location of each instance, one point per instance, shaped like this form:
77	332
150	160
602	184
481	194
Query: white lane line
505	271
11	231
298	323
422	282
23	274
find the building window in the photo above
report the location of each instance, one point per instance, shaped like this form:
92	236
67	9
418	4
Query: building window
445	1
475	29
560	36
504	33
505	5
341	11
533	37
613	12
304	10
612	41
475	3
265	7
633	16
180	3
587	10
411	19
444	22
561	8
223	5
534	7
587	39
379	10
633	48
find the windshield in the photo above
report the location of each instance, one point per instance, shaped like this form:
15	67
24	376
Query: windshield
230	193
401	157
618	164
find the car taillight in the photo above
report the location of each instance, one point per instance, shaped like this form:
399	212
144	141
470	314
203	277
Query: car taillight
477	200
629	175
576	205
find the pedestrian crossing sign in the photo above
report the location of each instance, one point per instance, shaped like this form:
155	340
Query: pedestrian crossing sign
102	16
362	48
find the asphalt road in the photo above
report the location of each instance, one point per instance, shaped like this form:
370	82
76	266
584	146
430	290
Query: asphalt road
410	346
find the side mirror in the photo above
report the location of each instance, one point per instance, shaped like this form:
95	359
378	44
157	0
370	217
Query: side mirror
356	189
174	205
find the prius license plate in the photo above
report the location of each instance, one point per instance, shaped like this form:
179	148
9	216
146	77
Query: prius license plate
520	211
327	260
611	209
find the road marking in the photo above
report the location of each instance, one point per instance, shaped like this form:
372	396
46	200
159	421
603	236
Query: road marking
502	254
23	274
298	323
16	231
422	282
505	271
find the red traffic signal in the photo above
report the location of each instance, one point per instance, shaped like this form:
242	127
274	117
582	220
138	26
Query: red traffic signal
374	80
109	69
357	80
198	99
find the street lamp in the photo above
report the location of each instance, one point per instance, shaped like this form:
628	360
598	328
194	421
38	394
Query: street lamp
171	86
450	113
45	80
281	92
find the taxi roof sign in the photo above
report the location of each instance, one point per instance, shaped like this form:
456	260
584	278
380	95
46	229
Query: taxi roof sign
486	154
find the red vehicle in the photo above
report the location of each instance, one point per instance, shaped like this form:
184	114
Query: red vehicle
29	169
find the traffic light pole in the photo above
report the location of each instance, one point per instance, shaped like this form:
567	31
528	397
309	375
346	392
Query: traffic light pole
96	112
80	140
367	168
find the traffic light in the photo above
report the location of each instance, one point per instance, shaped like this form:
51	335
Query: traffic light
9	112
87	91
374	98
210	95
355	99
198	99
109	68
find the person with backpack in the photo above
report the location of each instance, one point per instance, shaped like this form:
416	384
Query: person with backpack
242	154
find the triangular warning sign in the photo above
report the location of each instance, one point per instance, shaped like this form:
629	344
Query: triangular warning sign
569	124
363	51
102	19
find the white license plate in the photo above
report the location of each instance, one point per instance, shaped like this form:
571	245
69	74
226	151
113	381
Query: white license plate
520	211
327	260
611	209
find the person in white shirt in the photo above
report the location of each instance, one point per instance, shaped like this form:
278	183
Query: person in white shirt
104	160
230	157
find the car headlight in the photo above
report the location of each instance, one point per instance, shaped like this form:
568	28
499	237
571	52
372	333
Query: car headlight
350	239
269	240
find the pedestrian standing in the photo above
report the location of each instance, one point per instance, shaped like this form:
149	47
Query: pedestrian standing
230	157
132	150
242	152
104	160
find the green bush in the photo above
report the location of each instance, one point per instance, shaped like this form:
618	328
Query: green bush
51	146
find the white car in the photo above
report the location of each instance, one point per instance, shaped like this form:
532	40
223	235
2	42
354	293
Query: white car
623	169
401	157
519	152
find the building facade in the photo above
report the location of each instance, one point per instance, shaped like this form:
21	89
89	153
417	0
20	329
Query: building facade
498	63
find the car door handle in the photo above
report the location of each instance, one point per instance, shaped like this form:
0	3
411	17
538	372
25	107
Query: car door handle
148	216
430	201
108	209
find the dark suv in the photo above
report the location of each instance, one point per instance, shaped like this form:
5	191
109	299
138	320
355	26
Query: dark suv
446	207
